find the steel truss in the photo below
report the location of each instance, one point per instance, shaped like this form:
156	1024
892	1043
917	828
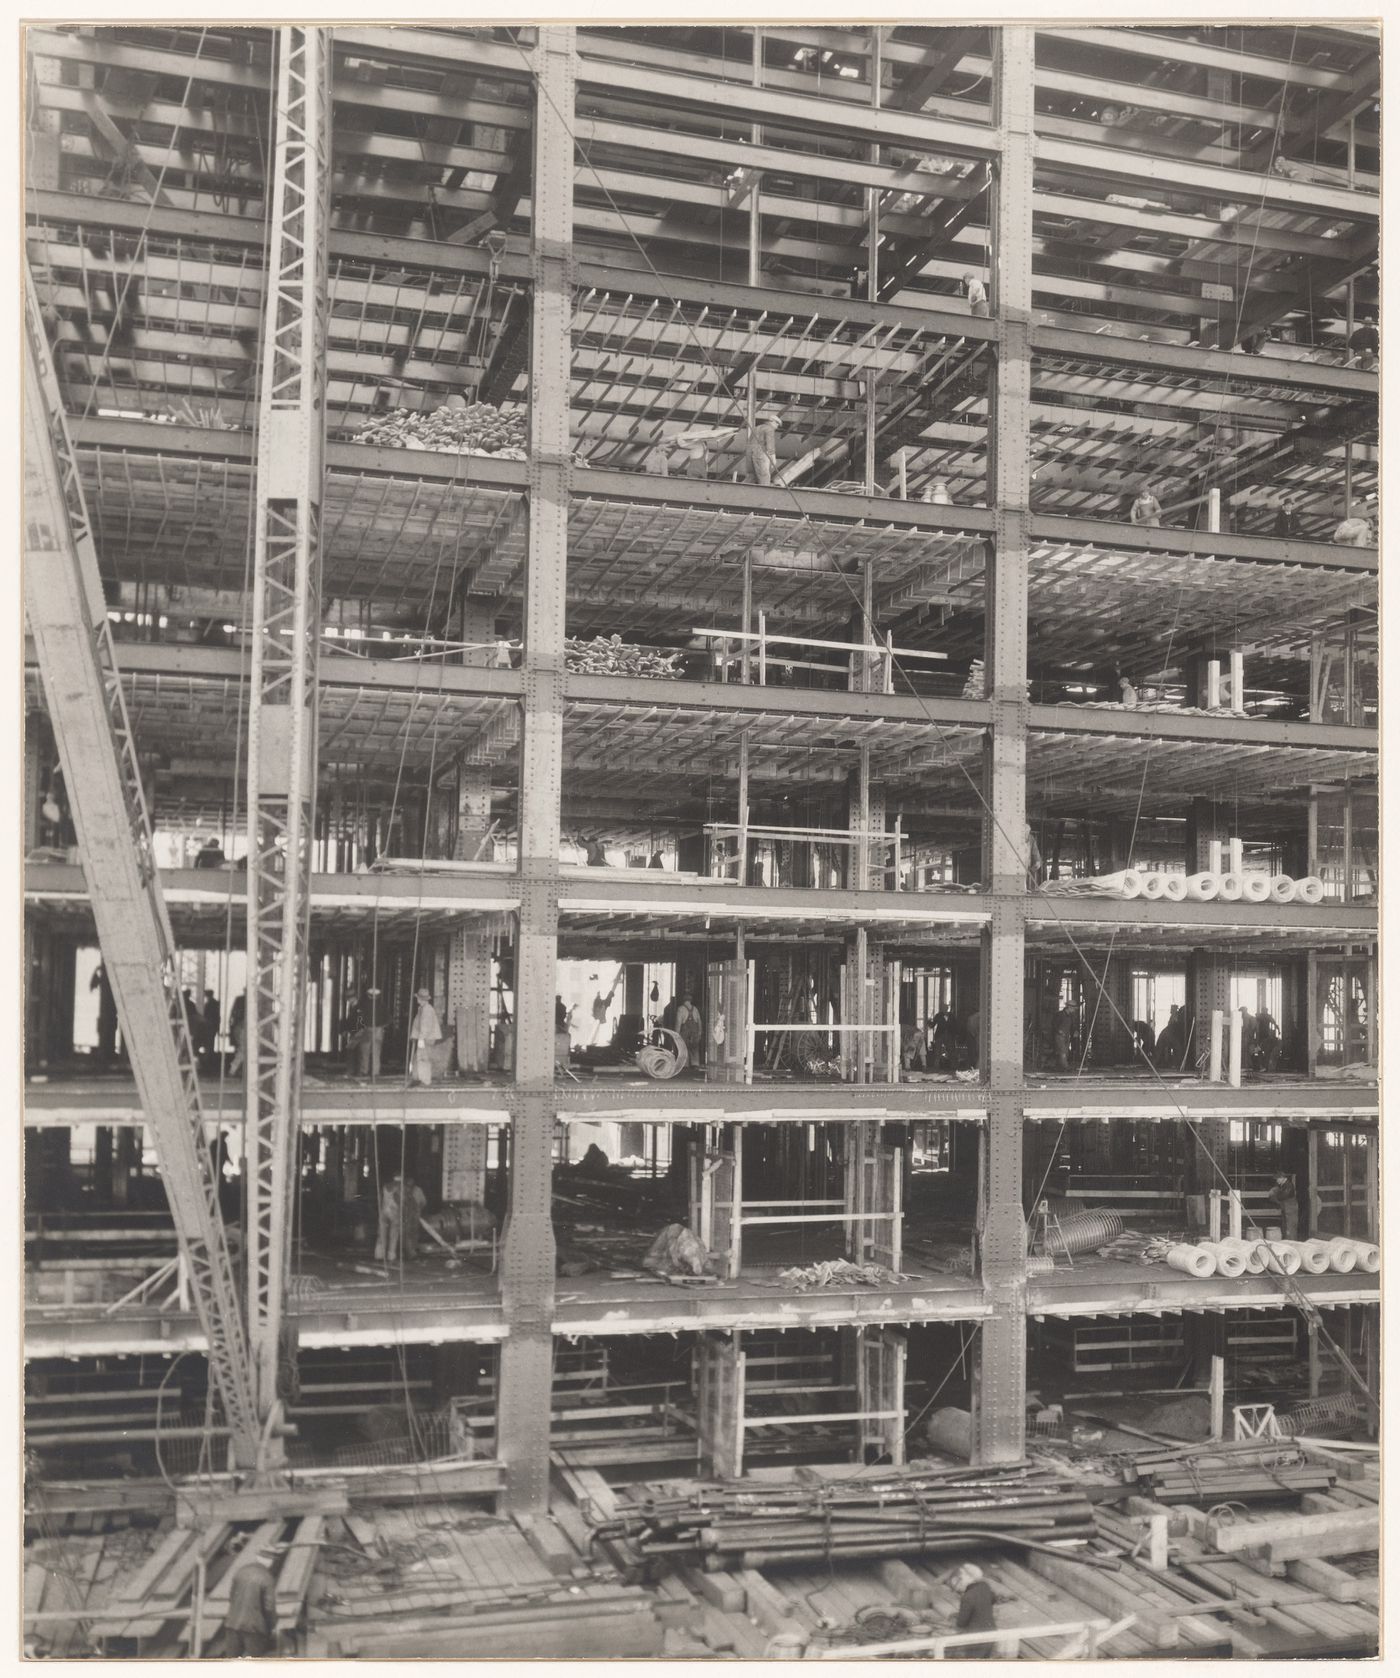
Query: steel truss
283	707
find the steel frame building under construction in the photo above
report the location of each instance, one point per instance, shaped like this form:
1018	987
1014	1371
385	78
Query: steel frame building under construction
700	803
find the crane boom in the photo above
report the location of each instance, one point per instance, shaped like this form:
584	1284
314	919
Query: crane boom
67	616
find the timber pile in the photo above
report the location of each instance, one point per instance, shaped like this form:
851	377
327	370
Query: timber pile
901	1513
1224	1472
397	1588
455	428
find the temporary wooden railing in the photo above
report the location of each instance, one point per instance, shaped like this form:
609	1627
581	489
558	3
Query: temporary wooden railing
1098	1631
885	651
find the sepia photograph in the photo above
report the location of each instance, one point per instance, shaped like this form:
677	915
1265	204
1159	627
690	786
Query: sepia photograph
701	830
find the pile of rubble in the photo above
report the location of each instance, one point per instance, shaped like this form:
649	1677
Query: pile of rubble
457	427
610	655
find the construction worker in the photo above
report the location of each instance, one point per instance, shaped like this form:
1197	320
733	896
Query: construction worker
762	451
1171	1043
367	1034
237	1027
1127	694
1146	510
250	1625
211	1019
425	1031
1066	1031
1268	1042
401	1206
1144	1040
1365	347
976	1611
1284	1195
690	1027
976	294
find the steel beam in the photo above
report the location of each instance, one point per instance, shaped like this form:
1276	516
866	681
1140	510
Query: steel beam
286	626
527	1257
82	683
999	1410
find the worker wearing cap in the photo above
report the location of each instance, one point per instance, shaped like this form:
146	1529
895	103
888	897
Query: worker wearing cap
425	1031
976	294
250	1626
1284	1195
976	1611
1147	509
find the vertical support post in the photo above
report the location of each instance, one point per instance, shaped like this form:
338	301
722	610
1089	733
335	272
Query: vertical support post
527	1253
999	1420
1217	1396
283	708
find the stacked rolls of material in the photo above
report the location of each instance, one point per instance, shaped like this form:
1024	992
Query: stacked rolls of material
1194	1261
1316	1259
1284	1256
1230	1261
1249	1252
1368	1254
1341	1257
1210	885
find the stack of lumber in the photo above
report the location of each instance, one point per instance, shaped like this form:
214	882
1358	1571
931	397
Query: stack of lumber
1226	1472
898	1513
502	1589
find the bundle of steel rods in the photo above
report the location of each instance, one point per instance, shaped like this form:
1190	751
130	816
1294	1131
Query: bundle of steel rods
1224	1472
898	1513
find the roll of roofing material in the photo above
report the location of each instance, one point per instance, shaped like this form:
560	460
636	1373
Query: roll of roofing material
1153	887
1310	890
1195	1261
1132	883
1231	888
1229	1261
1203	888
1368	1255
1174	887
1283	888
1316	1259
1250	1252
1083	1232
1284	1256
1341	1256
1256	887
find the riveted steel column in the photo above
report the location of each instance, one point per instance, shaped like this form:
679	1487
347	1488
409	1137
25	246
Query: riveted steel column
1001	1374
527	1262
282	712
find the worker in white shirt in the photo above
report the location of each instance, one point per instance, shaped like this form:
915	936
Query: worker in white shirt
976	294
425	1031
1146	509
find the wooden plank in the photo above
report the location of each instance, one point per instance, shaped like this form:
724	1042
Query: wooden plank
265	1505
295	1575
721	1590
1332	1582
904	1585
1104	1595
767	1604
